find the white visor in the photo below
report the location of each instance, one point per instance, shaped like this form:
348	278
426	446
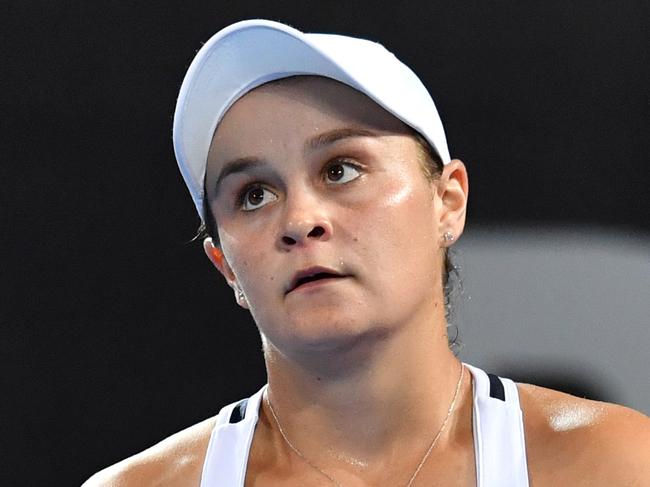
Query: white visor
248	54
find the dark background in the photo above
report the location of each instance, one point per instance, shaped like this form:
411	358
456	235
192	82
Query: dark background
115	331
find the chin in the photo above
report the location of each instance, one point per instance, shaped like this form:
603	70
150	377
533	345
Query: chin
339	335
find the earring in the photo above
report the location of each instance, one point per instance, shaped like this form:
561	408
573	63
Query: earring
448	236
240	295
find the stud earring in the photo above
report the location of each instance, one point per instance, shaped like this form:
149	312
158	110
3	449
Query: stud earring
448	236
240	295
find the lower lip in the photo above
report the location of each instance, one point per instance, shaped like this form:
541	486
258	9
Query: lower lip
316	284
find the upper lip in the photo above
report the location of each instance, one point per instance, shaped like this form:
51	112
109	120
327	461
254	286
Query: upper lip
309	272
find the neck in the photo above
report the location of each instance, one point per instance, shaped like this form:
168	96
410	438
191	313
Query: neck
369	400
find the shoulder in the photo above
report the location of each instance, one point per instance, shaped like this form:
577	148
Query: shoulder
175	461
574	441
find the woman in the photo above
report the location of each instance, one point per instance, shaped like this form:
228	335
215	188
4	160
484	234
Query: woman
320	168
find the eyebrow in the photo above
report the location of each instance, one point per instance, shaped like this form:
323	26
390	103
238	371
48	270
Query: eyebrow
243	164
336	135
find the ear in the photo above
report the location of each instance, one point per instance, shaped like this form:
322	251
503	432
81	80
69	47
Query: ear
218	260
215	254
453	190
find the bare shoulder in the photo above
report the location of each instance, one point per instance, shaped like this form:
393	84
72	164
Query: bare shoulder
574	441
175	461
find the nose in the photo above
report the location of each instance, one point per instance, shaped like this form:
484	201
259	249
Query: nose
306	221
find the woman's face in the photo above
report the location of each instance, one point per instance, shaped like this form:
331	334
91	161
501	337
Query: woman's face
325	218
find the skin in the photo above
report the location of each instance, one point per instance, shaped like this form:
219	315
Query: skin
349	356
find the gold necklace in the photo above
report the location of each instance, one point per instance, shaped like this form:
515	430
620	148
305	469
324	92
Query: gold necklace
450	411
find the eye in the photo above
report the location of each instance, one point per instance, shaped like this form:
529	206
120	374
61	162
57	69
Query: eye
341	172
255	197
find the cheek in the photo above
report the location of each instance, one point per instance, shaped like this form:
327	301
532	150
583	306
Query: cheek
249	263
403	209
398	232
399	194
241	258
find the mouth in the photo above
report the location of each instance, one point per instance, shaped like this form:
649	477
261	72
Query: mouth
313	276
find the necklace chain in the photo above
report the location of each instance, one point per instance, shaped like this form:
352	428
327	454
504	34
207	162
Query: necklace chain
450	411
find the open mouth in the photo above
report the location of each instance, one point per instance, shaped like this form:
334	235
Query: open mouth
308	279
316	277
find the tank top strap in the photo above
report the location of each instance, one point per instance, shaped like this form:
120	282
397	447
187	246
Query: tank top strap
230	441
499	442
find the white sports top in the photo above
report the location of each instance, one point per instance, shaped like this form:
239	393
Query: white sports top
499	445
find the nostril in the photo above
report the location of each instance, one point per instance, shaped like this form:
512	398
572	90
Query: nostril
316	232
292	238
288	240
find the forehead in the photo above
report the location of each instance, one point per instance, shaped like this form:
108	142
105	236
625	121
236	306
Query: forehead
291	108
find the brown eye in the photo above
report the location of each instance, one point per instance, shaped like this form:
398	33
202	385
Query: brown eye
341	172
256	197
335	172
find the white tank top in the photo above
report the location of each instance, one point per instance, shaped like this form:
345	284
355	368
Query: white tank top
499	445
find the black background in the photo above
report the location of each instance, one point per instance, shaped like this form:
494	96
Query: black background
115	332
